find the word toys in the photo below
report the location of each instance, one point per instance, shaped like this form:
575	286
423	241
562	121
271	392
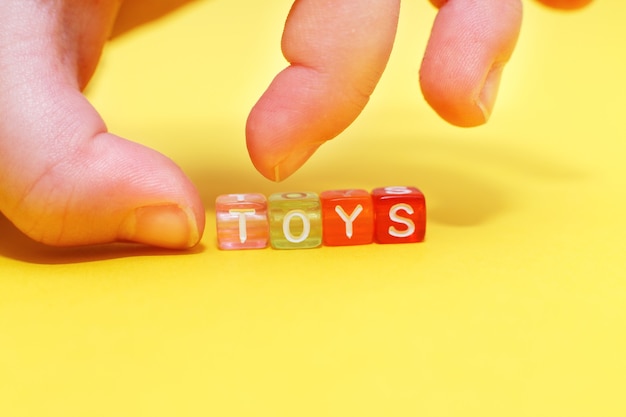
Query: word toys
302	220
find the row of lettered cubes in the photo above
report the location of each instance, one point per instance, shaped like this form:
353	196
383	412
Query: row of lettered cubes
301	220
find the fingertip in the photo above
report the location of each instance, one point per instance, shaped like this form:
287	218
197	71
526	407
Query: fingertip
158	205
337	55
489	90
467	51
301	110
165	225
292	163
276	164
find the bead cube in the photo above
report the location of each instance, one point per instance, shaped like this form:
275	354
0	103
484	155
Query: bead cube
295	220
347	217
400	215
242	221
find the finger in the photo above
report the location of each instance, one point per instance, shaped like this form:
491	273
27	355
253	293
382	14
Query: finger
64	180
470	43
337	53
566	4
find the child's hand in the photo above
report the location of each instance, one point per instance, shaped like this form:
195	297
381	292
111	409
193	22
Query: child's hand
64	180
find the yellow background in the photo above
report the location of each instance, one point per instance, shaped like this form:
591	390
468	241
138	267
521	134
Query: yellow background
514	306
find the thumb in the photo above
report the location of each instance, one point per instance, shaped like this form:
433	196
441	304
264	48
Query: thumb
64	180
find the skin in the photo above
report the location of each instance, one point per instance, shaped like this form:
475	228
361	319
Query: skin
65	180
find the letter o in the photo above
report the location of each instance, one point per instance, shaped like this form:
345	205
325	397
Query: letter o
293	196
306	226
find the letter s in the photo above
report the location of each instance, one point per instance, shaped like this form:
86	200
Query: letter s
396	218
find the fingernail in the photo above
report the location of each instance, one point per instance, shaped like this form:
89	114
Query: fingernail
277	174
293	162
167	226
489	92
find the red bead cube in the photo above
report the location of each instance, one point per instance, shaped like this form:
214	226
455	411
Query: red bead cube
400	215
347	217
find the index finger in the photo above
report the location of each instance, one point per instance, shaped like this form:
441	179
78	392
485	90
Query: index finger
337	52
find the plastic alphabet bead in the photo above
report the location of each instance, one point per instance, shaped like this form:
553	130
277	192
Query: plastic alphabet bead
347	217
242	221
295	220
400	214
302	220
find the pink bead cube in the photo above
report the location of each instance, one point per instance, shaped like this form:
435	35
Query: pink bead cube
242	221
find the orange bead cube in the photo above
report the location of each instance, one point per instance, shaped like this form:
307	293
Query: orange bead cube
347	217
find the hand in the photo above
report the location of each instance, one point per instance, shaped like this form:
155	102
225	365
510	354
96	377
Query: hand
65	180
338	54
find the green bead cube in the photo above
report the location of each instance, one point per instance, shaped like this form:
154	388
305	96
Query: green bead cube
295	220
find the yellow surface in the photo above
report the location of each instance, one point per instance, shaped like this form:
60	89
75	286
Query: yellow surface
514	306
